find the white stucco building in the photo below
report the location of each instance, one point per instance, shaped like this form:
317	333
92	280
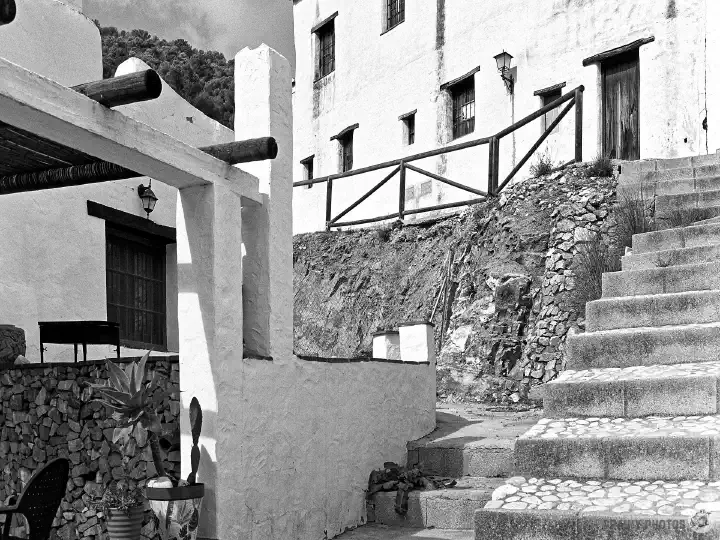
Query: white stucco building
383	79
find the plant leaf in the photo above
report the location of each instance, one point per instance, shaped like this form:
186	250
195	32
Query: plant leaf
140	370
118	378
141	435
130	370
151	422
121	433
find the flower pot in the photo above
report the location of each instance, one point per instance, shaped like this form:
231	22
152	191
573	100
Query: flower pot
177	510
122	526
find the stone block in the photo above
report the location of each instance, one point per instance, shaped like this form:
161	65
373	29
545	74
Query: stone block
385	514
556	458
601	399
498	524
671	396
655	458
613	526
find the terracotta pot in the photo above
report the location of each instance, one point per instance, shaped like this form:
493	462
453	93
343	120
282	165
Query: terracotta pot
177	510
122	526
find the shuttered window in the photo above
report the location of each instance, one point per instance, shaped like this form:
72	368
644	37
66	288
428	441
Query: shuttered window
549	117
136	285
346	152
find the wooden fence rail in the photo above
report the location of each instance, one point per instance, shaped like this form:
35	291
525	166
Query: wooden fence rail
574	98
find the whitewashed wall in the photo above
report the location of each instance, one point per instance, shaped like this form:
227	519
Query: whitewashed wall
378	77
52	254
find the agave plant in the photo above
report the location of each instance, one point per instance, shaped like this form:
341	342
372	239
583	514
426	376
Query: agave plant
134	404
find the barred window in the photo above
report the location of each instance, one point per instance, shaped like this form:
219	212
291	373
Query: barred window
136	282
395	13
346	152
326	49
463	109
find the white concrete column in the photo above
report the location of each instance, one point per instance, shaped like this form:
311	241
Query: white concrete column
210	324
386	345
263	107
417	342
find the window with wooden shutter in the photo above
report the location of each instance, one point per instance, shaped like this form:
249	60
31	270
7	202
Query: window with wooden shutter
136	285
346	152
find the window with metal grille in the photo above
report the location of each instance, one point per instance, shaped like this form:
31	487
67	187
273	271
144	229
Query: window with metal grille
346	152
409	193
308	172
463	107
326	49
426	188
549	117
395	13
136	282
410	127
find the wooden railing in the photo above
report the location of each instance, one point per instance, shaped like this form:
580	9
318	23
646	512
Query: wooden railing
400	166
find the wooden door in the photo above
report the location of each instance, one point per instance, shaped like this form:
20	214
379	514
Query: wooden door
621	106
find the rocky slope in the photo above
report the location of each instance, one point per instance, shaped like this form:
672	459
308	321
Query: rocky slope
505	308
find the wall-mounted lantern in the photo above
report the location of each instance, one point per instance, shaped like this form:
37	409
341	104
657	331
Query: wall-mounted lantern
504	63
147	197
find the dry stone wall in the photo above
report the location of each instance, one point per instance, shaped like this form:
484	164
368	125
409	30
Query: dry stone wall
47	413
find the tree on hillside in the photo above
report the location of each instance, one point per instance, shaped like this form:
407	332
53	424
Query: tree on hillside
203	78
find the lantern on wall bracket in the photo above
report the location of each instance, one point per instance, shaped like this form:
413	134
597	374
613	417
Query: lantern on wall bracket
148	198
504	62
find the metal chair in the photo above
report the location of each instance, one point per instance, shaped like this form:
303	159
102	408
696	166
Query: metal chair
40	500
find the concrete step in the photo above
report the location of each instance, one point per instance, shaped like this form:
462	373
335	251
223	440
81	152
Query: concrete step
672	257
676	389
648	189
383	532
631	168
650	448
708	221
672	279
471	441
568	510
699	200
644	346
451	508
694	307
693	236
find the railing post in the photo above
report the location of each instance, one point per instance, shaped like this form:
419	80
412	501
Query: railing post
401	208
491	166
328	204
496	164
578	124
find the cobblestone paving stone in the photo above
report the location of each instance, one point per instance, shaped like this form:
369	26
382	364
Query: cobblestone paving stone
710	369
652	426
661	498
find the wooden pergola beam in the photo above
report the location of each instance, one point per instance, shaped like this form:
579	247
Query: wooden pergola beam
31	102
123	90
102	171
7	11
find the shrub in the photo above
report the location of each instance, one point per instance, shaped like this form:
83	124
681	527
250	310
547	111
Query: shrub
593	259
633	215
601	166
682	217
544	165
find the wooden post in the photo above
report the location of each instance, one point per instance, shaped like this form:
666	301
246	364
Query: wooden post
123	90
7	11
496	164
491	160
328	204
401	207
244	151
578	124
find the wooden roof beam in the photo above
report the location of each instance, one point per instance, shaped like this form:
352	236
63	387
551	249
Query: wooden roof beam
44	107
7	11
123	90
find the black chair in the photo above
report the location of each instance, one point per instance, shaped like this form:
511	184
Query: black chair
40	500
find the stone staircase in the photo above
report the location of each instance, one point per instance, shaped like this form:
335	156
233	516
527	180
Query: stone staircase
629	447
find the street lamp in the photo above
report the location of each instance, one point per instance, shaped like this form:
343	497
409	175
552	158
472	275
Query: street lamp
148	198
504	61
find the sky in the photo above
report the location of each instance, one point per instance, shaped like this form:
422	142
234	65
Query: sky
222	25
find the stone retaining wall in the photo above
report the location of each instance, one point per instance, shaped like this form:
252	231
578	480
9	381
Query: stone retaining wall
47	413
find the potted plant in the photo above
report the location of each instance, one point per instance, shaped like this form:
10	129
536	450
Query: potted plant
123	508
176	503
177	506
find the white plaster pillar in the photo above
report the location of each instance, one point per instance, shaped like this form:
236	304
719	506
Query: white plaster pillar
386	345
417	342
210	324
263	107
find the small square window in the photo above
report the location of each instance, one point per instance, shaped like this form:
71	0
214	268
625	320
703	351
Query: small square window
308	169
394	13
426	188
346	152
463	107
549	117
409	193
326	49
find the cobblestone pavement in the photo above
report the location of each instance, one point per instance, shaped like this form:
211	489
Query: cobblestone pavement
711	369
651	426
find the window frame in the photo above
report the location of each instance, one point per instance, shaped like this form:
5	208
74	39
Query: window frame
308	165
462	97
325	49
347	151
393	14
409	124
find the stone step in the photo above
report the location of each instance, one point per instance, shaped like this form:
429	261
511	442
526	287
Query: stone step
644	346
631	168
383	532
648	190
467	444
650	448
694	307
675	389
665	204
671	279
672	257
693	236
451	508
659	510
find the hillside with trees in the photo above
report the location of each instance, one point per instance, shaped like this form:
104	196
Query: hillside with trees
204	78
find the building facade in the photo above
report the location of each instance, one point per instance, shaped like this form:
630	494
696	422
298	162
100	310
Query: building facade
384	79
